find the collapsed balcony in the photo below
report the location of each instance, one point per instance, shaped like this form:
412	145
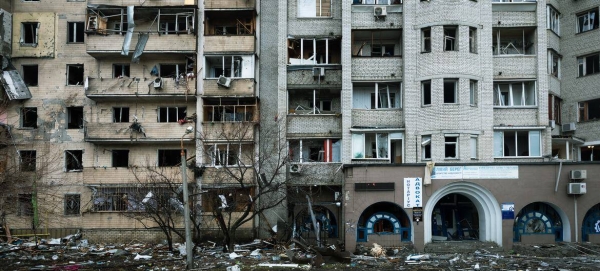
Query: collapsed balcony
513	41
314	51
376	43
115	29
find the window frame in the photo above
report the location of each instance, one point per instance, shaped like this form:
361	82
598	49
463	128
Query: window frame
473	92
426	149
426	40
27	160
451	43
73	112
453	92
73	34
35	28
499	97
426	95
121	70
473	40
118	114
583	110
225	151
583	65
27	69
381	141
69	159
72	210
474	146
553	19
118	162
554	61
500	141
585	27
451	141
179	111
318	5
70	74
25	204
168	152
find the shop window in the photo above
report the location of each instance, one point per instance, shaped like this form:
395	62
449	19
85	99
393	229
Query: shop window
426	147
30	75
121	70
29	117
29	33
75	75
426	92
120	114
169	158
517	143
75	117
451	146
73	160
76	32
72	204
426	40
450	38
171	114
588	64
28	160
589	110
450	91
587	20
120	158
514	94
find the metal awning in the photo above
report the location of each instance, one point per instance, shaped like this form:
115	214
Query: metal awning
14	86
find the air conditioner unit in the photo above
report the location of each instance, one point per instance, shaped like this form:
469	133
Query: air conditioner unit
295	168
552	124
577	189
318	72
224	81
379	11
568	127
158	83
578	174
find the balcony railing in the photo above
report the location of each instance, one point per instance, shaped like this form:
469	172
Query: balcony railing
112	44
126	87
124	132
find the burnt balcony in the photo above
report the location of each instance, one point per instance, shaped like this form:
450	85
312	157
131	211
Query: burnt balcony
102	89
119	132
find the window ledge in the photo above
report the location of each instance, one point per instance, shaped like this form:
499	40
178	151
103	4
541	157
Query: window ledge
588	75
584	32
515	107
451	159
519	157
515	55
586	121
426	105
370	159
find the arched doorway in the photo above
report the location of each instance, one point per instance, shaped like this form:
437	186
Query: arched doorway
384	223
538	218
489	215
455	217
591	223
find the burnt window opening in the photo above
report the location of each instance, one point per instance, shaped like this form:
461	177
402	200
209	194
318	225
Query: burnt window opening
72	204
171	70
120	114
76	30
28	160
30	75
75	117
75	74
589	110
24	205
120	28
169	158
73	160
120	158
29	117
121	70
171	114
29	33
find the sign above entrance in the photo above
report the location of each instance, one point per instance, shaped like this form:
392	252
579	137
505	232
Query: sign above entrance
475	172
413	196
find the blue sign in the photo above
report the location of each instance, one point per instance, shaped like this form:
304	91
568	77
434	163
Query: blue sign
508	210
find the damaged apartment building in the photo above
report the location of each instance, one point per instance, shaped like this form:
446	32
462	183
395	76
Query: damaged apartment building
403	121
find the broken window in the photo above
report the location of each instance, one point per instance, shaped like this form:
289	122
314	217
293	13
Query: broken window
222	109
238	66
171	114
513	41
120	27
177	22
517	143
515	94
314	150
376	43
120	114
171	70
24	205
75	74
451	38
120	158
314	51
75	117
473	144
472	40
29	33
553	19
376	95
370	145
29	117
172	27
589	64
134	199
73	160
229	23
473	92
426	92
30	75
224	154
314	8
121	70
169	158
426	40
28	160
450	91
229	199
76	32
451	146
589	110
316	101
554	108
554	63
426	147
587	20
72	204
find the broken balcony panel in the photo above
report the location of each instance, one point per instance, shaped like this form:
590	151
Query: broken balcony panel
314	77
182	88
314	51
235	131
121	132
14	86
139	47
314	125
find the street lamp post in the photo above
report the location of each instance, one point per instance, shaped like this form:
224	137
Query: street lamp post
186	205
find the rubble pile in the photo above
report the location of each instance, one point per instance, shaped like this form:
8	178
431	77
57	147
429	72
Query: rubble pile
73	253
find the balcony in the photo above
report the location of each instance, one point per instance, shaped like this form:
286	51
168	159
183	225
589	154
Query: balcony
163	3
312	77
301	125
221	44
120	175
515	66
215	177
238	87
229	4
120	132
228	131
315	174
377	68
378	118
105	89
99	45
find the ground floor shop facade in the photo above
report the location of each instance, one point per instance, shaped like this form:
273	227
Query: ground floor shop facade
507	203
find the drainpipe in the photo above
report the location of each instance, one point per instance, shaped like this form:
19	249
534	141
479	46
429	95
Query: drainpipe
558	177
576	219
